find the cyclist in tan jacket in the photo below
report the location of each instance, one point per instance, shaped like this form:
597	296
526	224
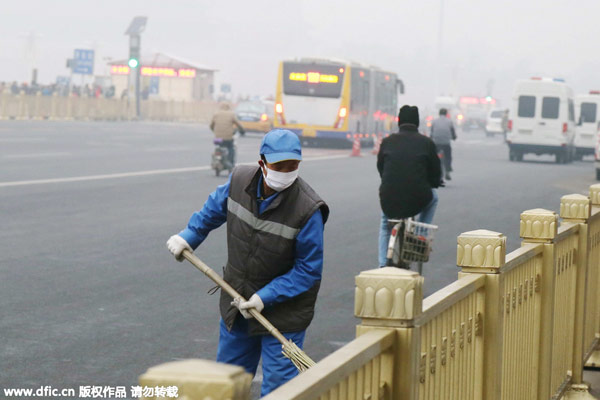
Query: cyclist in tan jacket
224	125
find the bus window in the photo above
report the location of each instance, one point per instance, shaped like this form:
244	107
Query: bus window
360	90
386	93
312	80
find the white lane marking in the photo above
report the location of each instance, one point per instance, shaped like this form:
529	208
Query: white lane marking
100	177
36	155
22	140
133	174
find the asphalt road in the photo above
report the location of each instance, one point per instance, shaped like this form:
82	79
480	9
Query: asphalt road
89	293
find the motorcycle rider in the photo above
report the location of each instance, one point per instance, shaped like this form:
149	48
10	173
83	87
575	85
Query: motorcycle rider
442	132
224	124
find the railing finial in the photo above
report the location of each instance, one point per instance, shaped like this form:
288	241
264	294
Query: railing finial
595	194
388	294
481	249
200	379
575	206
538	225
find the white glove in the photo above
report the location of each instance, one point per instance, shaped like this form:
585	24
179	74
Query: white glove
254	302
176	244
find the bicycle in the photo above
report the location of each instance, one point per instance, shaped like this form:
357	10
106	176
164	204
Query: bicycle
410	242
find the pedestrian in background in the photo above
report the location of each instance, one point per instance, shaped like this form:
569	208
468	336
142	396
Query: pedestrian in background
442	134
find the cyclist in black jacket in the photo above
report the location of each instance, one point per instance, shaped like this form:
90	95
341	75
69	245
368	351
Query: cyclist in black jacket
410	171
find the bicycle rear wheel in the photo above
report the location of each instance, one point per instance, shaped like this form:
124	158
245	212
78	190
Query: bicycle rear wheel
394	253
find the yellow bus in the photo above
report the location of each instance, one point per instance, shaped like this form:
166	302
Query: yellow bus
335	101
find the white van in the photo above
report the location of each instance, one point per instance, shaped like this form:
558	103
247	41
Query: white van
586	107
542	119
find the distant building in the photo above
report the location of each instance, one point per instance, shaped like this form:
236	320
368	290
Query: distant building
164	77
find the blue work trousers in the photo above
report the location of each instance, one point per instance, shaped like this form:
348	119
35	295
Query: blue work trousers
426	216
238	348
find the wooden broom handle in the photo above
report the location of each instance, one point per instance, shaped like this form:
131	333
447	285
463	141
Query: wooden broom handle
216	278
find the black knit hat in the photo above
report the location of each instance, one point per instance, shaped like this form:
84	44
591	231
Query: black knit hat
408	115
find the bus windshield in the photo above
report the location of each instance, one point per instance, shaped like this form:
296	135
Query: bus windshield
312	80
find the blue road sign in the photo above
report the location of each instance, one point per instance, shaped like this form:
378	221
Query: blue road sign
62	80
84	62
153	88
225	88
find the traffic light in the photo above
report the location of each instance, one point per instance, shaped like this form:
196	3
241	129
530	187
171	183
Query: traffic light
133	63
134	52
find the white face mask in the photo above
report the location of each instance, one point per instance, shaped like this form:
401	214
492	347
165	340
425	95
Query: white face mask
279	181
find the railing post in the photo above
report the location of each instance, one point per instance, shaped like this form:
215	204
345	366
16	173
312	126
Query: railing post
196	380
391	298
594	267
576	208
484	252
541	226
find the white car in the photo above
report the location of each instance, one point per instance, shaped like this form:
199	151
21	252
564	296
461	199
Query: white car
542	120
586	107
493	123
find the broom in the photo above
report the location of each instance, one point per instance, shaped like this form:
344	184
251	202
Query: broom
290	350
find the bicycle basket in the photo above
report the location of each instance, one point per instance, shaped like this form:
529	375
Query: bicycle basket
418	237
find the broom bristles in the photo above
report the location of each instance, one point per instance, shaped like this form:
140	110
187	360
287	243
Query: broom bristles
298	357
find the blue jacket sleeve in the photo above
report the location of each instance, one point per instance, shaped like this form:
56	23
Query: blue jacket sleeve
212	215
307	268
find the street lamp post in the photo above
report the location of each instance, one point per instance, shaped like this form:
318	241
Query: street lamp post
137	26
440	49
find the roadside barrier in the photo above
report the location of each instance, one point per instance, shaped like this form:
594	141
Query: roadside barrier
34	107
355	147
512	326
376	144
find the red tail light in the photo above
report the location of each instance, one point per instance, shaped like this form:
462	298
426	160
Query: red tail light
509	125
565	127
264	117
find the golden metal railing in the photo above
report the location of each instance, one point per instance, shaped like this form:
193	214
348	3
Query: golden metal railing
451	341
521	313
592	301
565	275
516	326
362	369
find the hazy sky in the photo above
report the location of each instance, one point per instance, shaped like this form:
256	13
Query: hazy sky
485	43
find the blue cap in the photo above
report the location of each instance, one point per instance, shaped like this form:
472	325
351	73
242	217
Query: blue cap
280	145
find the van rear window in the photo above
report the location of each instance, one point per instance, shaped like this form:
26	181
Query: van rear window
550	107
526	106
588	112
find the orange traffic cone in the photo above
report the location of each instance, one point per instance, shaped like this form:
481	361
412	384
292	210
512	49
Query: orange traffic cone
376	144
356	147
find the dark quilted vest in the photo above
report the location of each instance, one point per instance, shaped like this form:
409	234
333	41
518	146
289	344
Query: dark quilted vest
262	247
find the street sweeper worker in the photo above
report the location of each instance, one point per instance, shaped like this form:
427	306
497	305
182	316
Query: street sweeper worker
275	226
